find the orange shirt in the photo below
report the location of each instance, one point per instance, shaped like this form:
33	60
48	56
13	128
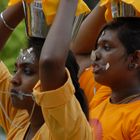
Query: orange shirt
87	83
110	121
115	121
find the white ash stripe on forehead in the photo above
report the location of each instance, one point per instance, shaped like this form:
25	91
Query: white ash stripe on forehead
26	56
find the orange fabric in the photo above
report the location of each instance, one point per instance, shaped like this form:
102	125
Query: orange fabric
62	113
5	102
87	83
60	109
102	93
116	121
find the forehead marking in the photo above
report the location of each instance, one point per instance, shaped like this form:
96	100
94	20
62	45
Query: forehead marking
26	56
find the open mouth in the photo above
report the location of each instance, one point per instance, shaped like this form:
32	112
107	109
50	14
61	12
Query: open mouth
15	93
20	94
96	68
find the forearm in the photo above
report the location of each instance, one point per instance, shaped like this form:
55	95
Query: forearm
12	16
55	49
88	32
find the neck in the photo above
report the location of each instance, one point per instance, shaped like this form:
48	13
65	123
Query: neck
118	96
36	117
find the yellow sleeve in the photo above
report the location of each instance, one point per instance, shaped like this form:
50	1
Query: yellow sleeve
62	113
5	102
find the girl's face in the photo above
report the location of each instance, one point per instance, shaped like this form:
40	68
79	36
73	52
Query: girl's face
110	64
25	77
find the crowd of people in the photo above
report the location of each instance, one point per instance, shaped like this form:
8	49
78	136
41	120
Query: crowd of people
81	89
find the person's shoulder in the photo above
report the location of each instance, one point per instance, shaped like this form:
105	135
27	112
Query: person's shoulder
86	79
101	94
4	72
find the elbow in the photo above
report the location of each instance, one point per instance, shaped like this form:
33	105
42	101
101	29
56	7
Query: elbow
49	64
46	63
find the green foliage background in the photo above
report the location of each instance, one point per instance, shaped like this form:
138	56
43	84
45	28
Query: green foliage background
16	41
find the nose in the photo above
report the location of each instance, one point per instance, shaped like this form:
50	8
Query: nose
16	80
95	55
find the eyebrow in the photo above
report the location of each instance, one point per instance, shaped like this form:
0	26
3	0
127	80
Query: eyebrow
102	41
24	64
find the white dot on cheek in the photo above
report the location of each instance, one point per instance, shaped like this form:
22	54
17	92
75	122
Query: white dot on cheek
93	56
24	58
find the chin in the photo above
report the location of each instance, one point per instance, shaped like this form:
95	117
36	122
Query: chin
17	103
101	80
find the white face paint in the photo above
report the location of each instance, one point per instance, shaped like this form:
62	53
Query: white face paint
26	56
107	66
93	55
93	58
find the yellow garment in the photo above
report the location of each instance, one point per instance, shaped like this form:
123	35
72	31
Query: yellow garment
64	120
5	102
63	114
50	8
115	121
102	93
87	83
107	3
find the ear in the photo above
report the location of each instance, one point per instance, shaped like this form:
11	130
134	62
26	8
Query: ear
136	58
137	52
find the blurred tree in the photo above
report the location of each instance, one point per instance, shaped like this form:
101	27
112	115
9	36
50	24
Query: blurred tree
15	42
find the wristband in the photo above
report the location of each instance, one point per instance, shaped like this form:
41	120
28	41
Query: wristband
4	22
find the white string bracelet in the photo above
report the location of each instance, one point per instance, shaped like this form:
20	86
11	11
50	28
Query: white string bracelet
4	22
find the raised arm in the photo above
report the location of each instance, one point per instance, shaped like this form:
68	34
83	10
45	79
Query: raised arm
61	110
86	37
55	50
9	19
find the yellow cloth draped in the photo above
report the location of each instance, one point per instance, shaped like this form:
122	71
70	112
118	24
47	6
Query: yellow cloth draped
50	7
107	3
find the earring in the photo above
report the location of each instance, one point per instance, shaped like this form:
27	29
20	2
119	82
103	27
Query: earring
132	66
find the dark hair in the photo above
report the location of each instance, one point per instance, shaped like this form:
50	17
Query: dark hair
73	68
37	44
128	31
71	64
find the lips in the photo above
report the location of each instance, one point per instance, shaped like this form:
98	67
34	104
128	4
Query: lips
14	92
97	68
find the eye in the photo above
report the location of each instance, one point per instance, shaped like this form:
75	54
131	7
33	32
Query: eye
107	47
28	71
